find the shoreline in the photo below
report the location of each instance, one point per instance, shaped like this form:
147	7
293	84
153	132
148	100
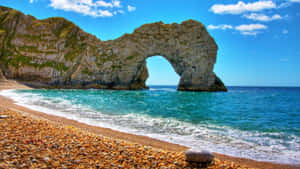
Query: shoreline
7	103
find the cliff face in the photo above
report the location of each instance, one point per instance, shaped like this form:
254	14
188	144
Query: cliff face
55	53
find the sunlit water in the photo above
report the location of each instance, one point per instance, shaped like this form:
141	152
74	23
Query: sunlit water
258	123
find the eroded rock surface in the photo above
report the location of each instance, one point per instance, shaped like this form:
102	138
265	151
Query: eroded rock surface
55	53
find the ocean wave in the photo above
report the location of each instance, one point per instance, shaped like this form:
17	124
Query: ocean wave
163	89
263	146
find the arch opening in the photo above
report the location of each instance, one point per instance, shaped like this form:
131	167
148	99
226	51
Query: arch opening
161	72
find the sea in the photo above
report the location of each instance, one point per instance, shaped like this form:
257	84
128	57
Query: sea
260	123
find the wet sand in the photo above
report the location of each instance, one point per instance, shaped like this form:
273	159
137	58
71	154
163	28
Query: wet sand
41	124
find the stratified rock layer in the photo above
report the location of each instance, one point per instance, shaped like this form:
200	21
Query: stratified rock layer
55	53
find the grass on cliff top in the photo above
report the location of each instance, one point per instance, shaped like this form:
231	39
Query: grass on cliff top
11	14
66	29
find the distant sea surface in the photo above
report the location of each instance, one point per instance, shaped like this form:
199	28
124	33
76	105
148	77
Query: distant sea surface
261	123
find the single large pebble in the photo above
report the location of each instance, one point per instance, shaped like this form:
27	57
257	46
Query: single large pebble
198	156
3	116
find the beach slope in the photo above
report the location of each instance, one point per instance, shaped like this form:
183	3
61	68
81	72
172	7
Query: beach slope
34	139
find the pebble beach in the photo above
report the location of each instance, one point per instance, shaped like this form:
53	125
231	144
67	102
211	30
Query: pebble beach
27	142
30	139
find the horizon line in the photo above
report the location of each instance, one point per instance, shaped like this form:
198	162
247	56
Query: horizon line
226	85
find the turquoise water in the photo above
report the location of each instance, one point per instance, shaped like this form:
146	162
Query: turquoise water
262	123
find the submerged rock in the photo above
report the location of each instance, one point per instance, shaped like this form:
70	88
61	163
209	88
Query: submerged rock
199	156
55	53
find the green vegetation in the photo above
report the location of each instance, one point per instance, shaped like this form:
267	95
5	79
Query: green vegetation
116	67
86	71
37	23
184	42
33	49
93	49
29	48
14	56
133	55
105	58
72	55
130	57
64	27
2	13
57	65
31	37
71	41
20	60
65	30
11	14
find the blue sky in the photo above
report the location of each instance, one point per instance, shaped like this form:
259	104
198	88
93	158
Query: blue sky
258	39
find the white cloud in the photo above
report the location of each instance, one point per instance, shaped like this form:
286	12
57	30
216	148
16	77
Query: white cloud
251	33
104	13
103	4
287	3
251	29
223	27
262	17
285	31
242	7
284	5
99	8
131	8
31	1
112	4
117	4
276	16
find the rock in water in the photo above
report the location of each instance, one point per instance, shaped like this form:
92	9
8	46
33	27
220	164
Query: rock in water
55	53
199	156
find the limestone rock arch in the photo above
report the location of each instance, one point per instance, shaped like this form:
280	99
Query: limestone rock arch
55	53
187	46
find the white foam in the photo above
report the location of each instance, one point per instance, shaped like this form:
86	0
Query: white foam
163	89
221	139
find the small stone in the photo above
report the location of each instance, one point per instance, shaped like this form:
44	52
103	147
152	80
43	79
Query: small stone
199	156
46	159
63	167
3	116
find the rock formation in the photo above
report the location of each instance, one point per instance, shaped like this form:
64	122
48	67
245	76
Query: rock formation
55	53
